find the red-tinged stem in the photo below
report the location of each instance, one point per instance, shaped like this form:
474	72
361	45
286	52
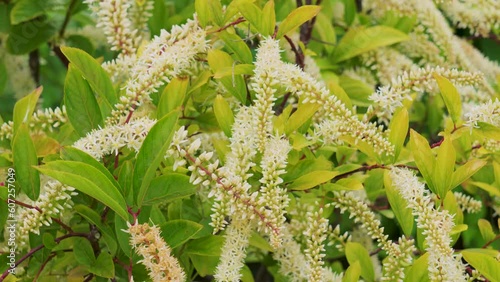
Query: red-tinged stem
437	144
491	241
38	248
238	21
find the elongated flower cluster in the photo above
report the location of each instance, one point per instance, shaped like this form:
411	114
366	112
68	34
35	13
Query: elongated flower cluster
488	112
436	226
316	233
304	86
110	139
467	203
42	121
399	255
387	63
389	98
113	19
480	17
157	257
54	198
233	254
166	56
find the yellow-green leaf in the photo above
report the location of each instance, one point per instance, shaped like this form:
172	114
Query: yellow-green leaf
399	206
466	171
24	108
223	114
355	252
246	69
418	272
24	154
445	165
450	96
252	14
296	18
268	18
312	179
486	229
399	130
494	191
483	262
352	273
424	159
297	119
363	39
172	96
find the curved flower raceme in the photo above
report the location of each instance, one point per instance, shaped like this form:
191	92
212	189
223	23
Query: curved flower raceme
110	139
480	17
156	254
166	56
54	198
436	226
399	254
42	121
306	87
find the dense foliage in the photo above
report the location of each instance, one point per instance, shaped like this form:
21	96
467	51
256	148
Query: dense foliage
171	140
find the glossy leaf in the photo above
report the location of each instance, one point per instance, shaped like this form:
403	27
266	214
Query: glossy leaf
486	229
252	14
237	47
355	252
24	108
399	129
28	36
399	206
84	254
167	188
450	96
223	114
363	39
24	154
483	262
95	75
445	165
352	273
88	180
467	170
81	104
296	18
494	191
177	232
103	266
152	152
94	218
268	18
304	113
312	179
172	96
418	272
25	10
424	159
219	60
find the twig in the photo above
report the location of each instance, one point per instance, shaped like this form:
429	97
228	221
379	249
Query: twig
239	20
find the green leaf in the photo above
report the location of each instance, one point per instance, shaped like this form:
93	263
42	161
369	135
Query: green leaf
177	232
103	266
246	274
355	252
268	18
206	246
326	32
223	114
363	39
494	191
457	229
48	241
202	12
167	188
252	14
450	96
485	263
237	47
296	18
84	254
486	229
25	10
445	165
24	155
398	131
88	180
123	237
172	96
81	104
466	171
24	108
151	154
399	206
352	273
488	130
234	84
95	75
94	218
424	159
3	77
28	36
304	113
312	179
246	69
418	272
258	241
